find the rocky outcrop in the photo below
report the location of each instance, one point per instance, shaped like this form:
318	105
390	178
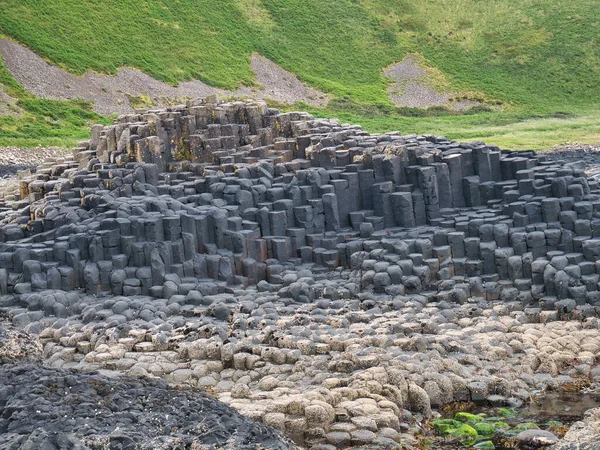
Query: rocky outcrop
583	435
61	409
215	190
333	284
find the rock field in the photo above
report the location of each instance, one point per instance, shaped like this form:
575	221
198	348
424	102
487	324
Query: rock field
334	285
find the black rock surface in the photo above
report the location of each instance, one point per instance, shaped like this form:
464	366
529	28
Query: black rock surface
42	408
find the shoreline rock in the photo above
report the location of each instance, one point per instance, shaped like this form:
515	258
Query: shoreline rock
583	435
335	285
65	409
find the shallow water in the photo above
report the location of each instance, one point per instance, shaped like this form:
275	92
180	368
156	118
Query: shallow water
563	407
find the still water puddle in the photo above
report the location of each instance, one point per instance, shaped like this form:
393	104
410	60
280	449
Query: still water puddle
564	407
550	411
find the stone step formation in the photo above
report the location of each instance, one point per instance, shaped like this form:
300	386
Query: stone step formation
334	284
236	192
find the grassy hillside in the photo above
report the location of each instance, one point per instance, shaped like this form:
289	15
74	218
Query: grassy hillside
43	122
539	59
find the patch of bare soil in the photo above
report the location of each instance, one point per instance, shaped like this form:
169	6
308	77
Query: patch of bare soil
280	85
413	88
123	92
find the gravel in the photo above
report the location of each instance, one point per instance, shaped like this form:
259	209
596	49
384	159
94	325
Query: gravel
110	93
407	69
413	89
588	154
415	94
280	85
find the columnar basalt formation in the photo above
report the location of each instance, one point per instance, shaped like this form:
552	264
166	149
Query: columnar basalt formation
230	191
316	277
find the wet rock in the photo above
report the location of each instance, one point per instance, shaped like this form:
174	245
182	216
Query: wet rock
536	438
582	435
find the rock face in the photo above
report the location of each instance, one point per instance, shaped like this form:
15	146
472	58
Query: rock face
584	435
18	346
229	191
59	409
333	284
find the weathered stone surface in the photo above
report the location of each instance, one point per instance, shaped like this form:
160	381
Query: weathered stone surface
40	404
316	277
582	435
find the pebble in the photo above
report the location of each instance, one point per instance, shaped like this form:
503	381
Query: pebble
536	438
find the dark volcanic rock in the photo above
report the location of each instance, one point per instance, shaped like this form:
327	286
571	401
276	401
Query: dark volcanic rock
16	345
43	408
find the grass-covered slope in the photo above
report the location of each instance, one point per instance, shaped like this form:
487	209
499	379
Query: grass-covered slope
43	122
537	58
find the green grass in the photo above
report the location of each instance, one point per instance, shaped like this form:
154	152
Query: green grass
538	58
44	122
512	130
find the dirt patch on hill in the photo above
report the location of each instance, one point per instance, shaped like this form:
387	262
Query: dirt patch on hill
413	87
131	88
280	85
8	105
